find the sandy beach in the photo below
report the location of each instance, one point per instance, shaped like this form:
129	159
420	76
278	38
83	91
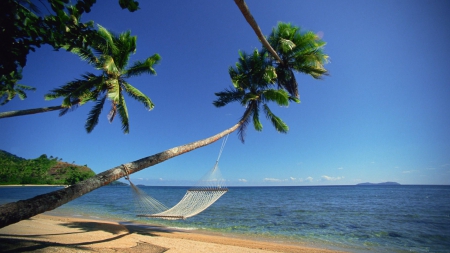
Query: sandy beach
44	233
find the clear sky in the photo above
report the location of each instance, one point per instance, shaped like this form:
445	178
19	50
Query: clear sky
383	114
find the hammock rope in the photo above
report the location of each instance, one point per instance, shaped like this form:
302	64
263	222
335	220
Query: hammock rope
198	198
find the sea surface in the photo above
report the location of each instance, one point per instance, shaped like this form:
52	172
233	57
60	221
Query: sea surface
352	218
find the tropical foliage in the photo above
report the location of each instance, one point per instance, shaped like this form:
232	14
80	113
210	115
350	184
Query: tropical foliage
299	52
259	78
41	170
24	29
109	53
253	87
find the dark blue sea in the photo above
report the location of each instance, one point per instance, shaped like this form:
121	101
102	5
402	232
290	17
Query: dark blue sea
350	218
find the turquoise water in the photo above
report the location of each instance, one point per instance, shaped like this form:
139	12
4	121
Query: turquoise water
351	218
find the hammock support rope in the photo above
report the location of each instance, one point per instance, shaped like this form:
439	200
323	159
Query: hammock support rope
207	191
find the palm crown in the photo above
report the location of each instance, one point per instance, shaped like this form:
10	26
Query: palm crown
300	52
253	81
109	53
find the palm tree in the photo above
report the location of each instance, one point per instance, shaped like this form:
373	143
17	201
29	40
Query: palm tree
299	52
292	50
112	56
109	53
253	81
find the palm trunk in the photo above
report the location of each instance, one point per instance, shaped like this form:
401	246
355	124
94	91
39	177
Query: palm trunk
252	22
14	212
29	111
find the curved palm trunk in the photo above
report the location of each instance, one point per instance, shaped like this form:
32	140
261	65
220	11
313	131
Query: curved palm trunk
29	111
14	212
252	22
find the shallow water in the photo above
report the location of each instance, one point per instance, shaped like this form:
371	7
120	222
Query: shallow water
351	218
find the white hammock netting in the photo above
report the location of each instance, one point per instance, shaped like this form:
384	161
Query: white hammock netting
207	191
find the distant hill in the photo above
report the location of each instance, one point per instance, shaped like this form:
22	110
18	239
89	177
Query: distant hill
385	183
42	170
118	183
3	153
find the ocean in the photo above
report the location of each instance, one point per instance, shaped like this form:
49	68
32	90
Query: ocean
406	218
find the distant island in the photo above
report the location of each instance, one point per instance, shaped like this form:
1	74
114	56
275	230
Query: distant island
118	183
385	183
44	170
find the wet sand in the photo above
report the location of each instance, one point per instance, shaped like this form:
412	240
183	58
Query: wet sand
44	233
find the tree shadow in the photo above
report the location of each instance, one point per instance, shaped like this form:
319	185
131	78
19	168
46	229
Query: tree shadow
148	230
25	243
10	245
88	226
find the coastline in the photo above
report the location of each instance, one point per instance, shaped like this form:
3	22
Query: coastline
44	233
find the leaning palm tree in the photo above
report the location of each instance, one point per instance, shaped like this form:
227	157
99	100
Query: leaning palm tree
286	43
110	54
253	81
299	52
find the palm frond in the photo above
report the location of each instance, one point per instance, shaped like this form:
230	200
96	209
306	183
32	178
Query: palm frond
106	41
85	54
286	80
123	114
279	125
138	95
10	92
228	96
145	67
126	45
108	65
94	114
281	97
78	89
245	120
286	45
294	99
256	122
301	52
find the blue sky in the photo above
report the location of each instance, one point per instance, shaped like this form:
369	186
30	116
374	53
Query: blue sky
381	115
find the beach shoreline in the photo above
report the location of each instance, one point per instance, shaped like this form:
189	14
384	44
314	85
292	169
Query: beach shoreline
46	233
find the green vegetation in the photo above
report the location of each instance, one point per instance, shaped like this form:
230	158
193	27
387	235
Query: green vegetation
110	54
41	170
25	28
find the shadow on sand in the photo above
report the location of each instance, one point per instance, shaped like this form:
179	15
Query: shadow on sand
35	243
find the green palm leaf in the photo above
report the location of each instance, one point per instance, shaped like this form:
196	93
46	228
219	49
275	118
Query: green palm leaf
281	97
228	96
145	67
138	95
255	113
300	51
105	43
279	125
245	121
123	114
94	114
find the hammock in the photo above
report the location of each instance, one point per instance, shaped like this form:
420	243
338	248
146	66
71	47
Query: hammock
207	191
